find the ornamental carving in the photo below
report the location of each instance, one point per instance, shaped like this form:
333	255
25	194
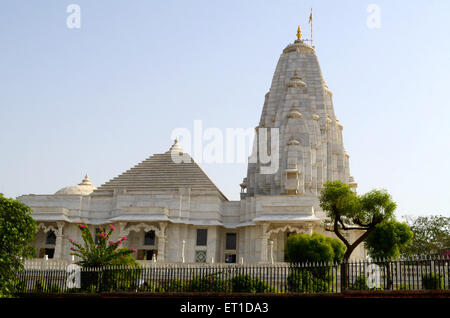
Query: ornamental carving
296	81
302	229
294	112
142	226
46	228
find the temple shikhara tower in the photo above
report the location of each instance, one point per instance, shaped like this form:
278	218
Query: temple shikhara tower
173	212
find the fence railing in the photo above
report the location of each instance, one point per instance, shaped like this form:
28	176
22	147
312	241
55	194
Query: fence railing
403	274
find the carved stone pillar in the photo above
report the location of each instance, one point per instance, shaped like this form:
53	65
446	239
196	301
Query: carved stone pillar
264	243
59	240
309	228
162	239
271	251
122	226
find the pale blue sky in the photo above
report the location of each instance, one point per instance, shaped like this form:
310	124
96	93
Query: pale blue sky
105	97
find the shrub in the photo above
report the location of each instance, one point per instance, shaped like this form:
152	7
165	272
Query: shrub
304	281
302	248
55	289
39	286
432	281
21	287
403	287
103	252
152	287
122	278
360	284
209	284
177	285
247	284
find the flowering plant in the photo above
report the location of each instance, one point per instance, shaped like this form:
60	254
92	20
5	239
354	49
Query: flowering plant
100	252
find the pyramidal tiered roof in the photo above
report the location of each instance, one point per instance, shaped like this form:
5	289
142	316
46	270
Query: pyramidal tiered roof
160	173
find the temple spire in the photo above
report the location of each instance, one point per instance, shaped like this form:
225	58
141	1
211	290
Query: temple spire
310	144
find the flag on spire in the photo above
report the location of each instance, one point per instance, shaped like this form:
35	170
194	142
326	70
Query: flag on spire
310	22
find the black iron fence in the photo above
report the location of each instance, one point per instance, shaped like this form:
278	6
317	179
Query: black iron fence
404	274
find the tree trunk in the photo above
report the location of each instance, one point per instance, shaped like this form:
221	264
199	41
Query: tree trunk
344	268
348	252
388	274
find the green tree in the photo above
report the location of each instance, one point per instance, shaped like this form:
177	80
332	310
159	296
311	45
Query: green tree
347	211
389	239
431	235
17	229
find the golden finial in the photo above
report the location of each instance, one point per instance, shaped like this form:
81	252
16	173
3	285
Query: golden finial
299	33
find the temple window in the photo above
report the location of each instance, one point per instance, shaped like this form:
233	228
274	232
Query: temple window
230	241
202	237
149	238
51	238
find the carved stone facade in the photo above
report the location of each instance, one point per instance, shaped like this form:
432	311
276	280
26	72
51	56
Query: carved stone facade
164	207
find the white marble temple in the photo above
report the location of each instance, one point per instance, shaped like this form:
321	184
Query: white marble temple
172	201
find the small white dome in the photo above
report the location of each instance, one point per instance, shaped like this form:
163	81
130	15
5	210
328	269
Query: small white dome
84	188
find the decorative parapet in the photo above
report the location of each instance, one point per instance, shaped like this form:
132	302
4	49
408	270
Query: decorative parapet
50	210
145	210
142	213
50	213
306	210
